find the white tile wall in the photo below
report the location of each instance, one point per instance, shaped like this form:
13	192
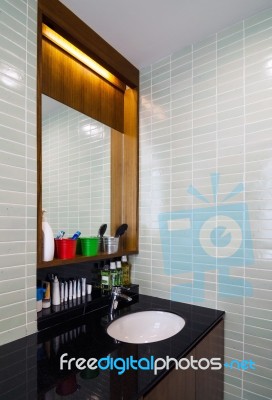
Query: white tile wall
205	131
18	188
76	172
204	110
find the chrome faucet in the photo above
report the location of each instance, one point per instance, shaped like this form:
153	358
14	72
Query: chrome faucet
116	294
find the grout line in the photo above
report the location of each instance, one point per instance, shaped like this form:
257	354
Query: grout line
216	165
171	178
244	198
192	172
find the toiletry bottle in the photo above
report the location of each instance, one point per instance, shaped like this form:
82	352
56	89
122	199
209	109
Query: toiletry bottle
78	287
70	290
65	292
119	273
74	288
83	287
105	278
46	302
48	239
56	292
76	235
62	291
126	268
113	274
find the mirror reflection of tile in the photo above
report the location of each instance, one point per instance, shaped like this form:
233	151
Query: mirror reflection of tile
75	169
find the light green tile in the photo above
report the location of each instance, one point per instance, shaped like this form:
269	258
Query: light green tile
237	64
12	248
230	40
205	68
261	26
164	93
161	74
202	112
257	351
260	376
234	29
161	63
258	116
176	62
31	328
231	123
181	53
12	322
203	96
180	69
145	70
12	310
259	71
227	51
205	77
13	11
11	285
8	171
178	79
233	390
258	18
12	334
204	46
160	85
253	40
160	294
206	86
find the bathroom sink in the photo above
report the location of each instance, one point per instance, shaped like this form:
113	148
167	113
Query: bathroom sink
146	326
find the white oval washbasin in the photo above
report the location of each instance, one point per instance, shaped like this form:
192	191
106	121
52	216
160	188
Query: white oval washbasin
146	327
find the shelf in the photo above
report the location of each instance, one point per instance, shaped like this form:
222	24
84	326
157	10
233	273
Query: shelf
80	259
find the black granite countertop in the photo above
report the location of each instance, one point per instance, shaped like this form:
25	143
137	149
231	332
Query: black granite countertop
37	357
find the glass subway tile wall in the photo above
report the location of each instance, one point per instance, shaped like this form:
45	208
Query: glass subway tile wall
205	189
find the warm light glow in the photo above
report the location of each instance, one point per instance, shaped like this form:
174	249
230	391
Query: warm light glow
78	54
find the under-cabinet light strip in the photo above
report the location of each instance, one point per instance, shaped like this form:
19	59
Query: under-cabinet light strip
65	45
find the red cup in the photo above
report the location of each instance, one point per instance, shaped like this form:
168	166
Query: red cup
67	385
65	248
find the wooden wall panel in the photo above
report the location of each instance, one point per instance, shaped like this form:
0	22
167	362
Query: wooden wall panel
116	181
131	169
70	82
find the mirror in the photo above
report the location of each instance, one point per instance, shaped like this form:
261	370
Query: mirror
76	170
114	103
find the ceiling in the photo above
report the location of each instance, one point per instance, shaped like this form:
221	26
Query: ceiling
145	31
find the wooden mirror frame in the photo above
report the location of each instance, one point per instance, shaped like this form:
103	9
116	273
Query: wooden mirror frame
124	170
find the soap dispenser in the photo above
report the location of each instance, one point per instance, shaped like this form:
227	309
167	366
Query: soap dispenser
48	239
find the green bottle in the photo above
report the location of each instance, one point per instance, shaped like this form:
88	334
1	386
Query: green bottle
113	274
106	278
119	273
126	268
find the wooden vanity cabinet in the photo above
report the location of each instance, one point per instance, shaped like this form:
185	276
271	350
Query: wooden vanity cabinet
193	384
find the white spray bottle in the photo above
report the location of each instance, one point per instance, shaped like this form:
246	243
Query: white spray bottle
48	239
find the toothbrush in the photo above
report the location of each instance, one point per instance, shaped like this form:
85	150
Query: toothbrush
60	235
76	235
